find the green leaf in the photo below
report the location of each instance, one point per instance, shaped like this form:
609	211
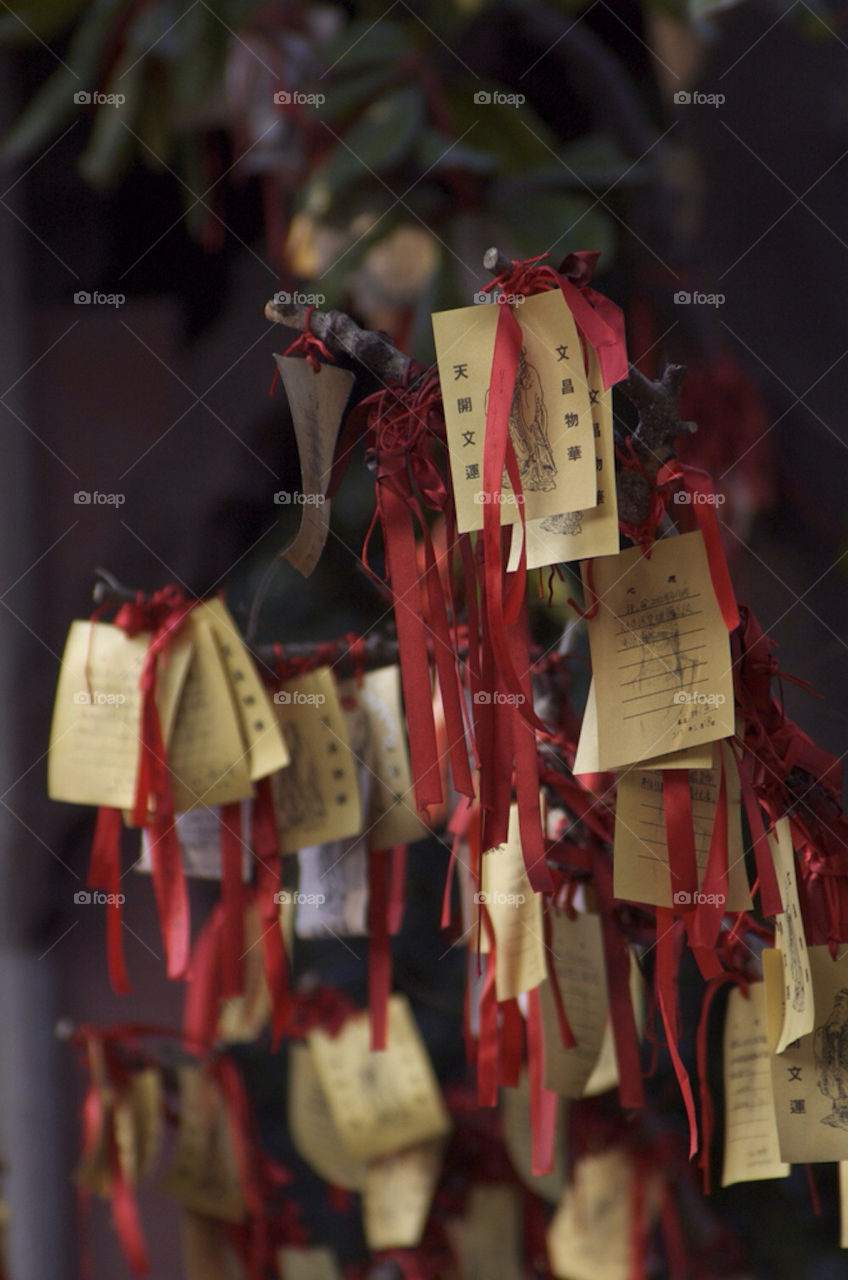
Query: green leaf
434	152
366	44
35	20
45	114
347	94
111	143
562	223
378	140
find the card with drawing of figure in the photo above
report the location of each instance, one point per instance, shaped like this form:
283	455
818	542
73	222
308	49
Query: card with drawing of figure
316	796
550	421
810	1077
577	535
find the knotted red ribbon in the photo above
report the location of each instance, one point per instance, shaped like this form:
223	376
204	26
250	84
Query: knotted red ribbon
599	320
308	345
163	614
402	422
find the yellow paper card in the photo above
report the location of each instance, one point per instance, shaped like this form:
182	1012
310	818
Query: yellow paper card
810	1076
577	535
751	1150
308	1264
94	737
660	653
398	1193
605	1072
488	1239
138	1124
588	759
204	1174
518	1140
265	746
207	1253
843	1204
641	871
381	1101
590	1236
578	961
515	911
313	1130
317	797
243	1018
550	421
207	757
392	817
791	943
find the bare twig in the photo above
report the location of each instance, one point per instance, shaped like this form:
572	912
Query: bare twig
342	337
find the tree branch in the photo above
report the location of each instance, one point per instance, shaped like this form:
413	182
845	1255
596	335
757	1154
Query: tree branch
657	429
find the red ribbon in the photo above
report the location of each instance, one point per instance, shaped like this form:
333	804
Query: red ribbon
308	345
164	613
104	872
699	486
379	947
666	986
631	1091
543	1102
266	851
232	898
600	321
400	422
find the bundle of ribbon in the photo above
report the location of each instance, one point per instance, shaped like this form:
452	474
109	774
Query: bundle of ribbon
163	614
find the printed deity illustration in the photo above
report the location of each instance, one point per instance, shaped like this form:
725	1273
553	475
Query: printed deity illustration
528	429
831	1051
568	522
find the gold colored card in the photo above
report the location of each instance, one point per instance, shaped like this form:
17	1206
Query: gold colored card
207	756
578	960
264	742
204	1175
660	653
317	797
94	737
398	1193
313	1130
392	816
588	758
488	1238
515	911
590	1236
550	421
641	867
578	535
751	1150
381	1101
243	1018
518	1140
207	1253
810	1077
307	1264
791	944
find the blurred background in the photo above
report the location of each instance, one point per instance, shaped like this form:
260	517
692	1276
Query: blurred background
167	167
